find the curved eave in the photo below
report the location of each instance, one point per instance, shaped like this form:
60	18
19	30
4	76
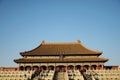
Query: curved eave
60	60
37	50
27	54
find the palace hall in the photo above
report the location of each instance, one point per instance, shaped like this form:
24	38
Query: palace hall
61	61
61	56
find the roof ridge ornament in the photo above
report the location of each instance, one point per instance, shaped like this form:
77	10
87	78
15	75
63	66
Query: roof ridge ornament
43	41
78	41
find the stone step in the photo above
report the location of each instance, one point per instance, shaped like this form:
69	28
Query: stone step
60	76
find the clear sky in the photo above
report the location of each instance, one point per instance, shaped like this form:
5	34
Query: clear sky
25	23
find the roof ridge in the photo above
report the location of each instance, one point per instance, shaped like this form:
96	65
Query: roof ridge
78	42
60	43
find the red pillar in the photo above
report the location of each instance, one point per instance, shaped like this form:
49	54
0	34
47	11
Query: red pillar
39	68
66	68
89	67
18	68
74	67
32	68
24	68
97	67
46	67
54	67
102	67
81	68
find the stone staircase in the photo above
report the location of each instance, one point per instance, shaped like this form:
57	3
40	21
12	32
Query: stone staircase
42	75
86	76
60	76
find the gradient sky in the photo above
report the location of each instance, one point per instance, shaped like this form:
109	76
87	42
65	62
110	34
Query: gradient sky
25	23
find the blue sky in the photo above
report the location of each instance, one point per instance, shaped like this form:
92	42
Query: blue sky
25	23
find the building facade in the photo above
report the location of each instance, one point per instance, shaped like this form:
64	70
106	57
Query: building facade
61	56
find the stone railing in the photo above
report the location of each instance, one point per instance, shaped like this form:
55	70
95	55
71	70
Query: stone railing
15	75
74	75
106	74
40	75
